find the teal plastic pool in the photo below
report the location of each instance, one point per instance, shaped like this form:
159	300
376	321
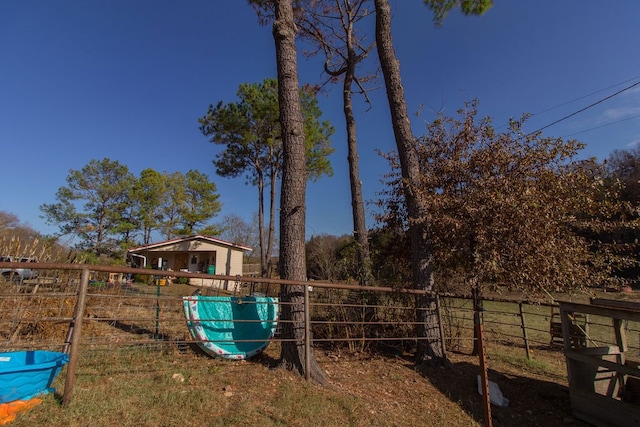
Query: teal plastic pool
231	327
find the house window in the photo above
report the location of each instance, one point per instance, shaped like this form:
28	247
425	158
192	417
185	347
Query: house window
194	259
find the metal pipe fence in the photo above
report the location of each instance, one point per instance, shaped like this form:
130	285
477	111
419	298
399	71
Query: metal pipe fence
72	307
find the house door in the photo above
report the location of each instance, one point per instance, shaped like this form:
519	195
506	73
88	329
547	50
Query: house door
181	261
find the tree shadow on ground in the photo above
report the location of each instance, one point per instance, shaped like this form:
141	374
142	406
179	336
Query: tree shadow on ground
265	360
532	402
259	359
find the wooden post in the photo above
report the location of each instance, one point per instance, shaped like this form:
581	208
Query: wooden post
484	375
524	331
439	311
621	340
307	335
76	331
477	308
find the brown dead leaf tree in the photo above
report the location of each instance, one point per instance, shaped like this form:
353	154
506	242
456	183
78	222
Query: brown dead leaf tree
429	346
506	208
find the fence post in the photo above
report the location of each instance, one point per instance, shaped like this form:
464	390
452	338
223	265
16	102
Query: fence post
76	331
524	331
441	327
477	308
307	335
484	374
157	334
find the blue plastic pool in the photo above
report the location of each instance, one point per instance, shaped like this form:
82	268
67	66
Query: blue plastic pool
25	374
231	327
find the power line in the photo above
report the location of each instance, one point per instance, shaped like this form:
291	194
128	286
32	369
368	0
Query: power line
576	99
604	125
583	97
585	108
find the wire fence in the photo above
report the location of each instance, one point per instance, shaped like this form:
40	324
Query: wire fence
113	311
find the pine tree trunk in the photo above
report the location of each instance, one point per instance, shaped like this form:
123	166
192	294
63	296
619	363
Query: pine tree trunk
292	196
361	235
272	216
261	234
430	347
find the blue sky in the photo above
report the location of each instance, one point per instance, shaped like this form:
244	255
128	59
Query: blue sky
127	80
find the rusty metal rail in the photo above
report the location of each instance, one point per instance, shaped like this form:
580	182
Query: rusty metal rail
76	314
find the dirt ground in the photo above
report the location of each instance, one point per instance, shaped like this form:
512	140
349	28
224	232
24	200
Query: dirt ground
365	389
377	389
535	398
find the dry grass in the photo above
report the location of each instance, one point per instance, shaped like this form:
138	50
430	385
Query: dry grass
144	386
174	387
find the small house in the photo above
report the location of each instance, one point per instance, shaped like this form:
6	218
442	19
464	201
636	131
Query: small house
194	254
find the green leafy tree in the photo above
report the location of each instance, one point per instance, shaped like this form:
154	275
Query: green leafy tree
200	205
191	201
127	223
440	8
149	192
250	131
170	209
89	206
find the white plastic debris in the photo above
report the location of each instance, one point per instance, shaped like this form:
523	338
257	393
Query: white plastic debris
495	394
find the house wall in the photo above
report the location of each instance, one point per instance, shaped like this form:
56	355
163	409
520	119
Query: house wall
196	256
